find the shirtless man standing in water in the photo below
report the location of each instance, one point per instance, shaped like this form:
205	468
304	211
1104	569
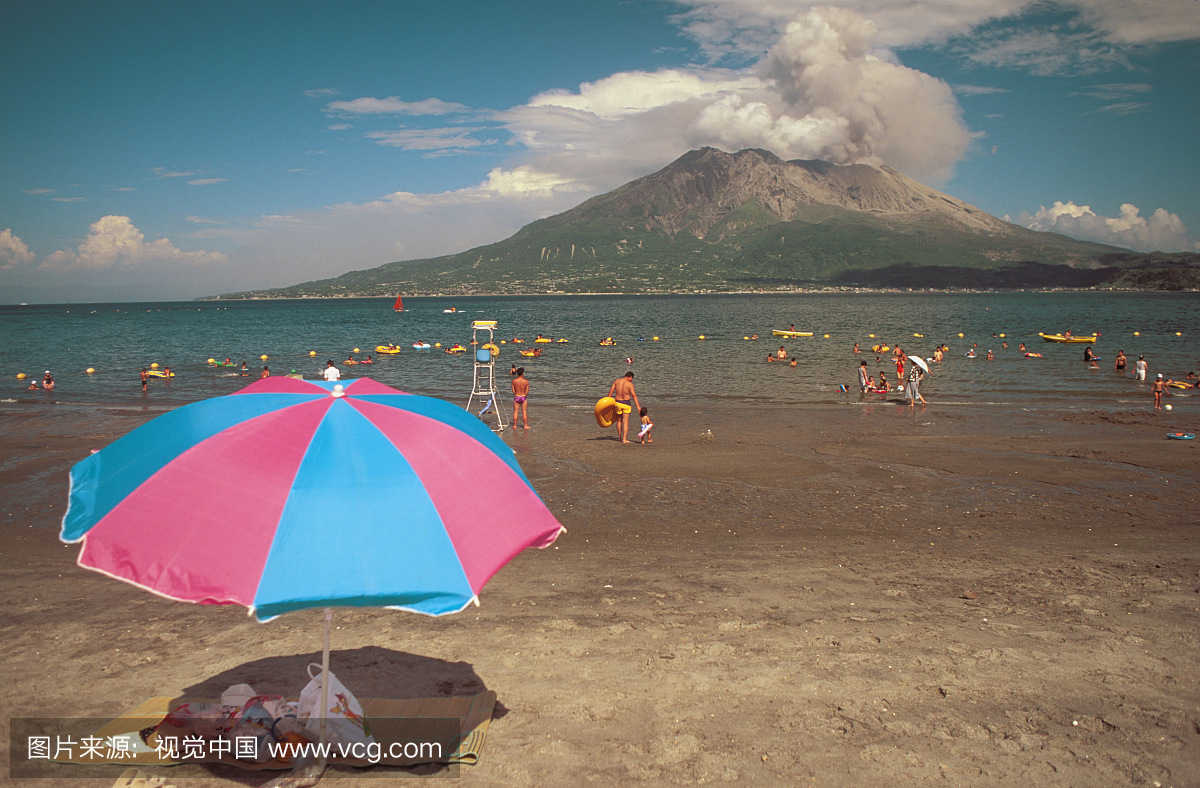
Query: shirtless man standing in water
520	390
623	392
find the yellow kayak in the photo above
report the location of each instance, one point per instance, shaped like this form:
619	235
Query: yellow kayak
781	333
1061	338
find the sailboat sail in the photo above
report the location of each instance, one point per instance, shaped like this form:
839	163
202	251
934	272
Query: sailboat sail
399	305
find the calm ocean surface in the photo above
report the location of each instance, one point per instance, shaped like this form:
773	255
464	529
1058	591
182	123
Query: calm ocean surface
118	339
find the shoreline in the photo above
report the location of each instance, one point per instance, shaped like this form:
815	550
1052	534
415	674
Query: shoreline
622	294
794	291
815	594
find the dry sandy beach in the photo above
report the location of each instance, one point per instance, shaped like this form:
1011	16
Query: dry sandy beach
834	596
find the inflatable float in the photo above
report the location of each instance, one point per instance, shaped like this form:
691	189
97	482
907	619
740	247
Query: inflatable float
609	341
607	410
456	348
386	349
158	373
1179	436
1061	338
781	333
421	346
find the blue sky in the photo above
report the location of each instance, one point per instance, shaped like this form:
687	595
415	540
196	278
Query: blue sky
173	150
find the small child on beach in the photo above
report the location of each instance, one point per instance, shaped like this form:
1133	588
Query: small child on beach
1159	387
644	433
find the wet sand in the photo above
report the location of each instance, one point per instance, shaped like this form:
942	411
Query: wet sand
845	596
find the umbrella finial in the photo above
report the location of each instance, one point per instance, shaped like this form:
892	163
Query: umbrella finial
339	390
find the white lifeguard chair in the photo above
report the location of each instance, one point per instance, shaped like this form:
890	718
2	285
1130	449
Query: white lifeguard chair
483	384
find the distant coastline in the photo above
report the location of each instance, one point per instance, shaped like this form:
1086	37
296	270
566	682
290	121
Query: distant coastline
756	291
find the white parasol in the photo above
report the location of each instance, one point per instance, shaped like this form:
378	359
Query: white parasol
920	362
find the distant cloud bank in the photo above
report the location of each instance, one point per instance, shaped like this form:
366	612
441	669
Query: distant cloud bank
14	253
1163	231
114	243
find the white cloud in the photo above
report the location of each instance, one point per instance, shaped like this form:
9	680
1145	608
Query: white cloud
1163	231
823	91
321	92
394	106
14	253
455	137
1070	35
1159	22
526	181
163	172
978	90
40	191
207	181
69	199
114	243
632	93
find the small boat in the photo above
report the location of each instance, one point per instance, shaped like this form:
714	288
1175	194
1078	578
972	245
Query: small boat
398	306
1061	338
451	310
781	333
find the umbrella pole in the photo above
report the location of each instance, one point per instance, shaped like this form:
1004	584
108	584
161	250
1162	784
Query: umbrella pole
325	677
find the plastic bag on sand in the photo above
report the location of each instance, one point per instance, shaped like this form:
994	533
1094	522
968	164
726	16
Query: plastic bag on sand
346	723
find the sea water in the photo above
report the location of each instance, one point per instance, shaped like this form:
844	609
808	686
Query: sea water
657	337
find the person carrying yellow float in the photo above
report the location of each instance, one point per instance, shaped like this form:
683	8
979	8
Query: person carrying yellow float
625	395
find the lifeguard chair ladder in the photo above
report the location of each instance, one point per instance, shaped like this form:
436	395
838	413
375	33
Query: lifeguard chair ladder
483	384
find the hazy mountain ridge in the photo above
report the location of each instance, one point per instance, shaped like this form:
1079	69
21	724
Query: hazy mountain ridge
718	221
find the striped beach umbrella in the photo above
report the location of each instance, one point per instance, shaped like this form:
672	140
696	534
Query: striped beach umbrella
294	494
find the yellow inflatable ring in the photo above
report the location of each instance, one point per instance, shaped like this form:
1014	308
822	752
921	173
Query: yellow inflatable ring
607	410
386	349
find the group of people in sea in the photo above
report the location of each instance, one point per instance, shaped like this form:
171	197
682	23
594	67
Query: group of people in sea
779	355
47	382
911	385
1160	385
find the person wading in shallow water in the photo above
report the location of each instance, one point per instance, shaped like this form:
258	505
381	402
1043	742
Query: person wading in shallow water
520	390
